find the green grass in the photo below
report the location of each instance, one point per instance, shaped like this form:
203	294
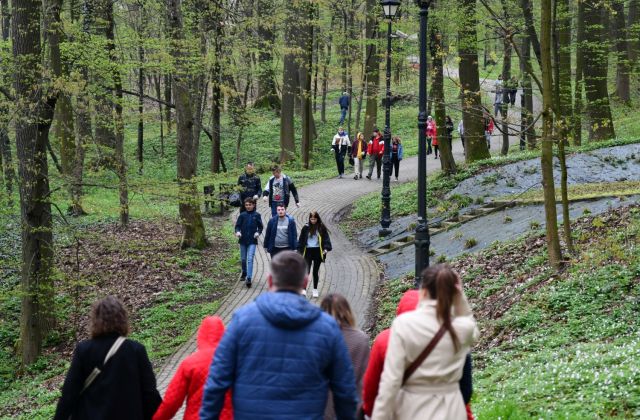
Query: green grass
554	345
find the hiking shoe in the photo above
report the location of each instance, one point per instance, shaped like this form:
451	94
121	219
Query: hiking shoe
369	177
315	293
243	277
248	283
355	177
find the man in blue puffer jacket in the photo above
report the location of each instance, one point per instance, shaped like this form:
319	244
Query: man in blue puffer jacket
281	355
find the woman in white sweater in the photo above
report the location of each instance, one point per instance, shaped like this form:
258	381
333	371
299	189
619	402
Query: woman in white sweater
432	390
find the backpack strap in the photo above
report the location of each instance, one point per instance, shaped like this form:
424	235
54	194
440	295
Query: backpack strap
95	372
421	358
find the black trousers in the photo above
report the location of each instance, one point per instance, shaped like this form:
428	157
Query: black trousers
396	164
340	162
313	257
429	145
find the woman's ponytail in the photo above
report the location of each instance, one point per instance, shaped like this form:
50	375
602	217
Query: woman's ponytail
440	281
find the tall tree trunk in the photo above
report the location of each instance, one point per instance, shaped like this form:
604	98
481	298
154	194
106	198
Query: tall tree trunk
189	207
447	162
623	68
474	140
596	64
633	31
105	134
566	221
526	99
546	161
267	95
506	77
372	68
5	146
527	12
216	97
304	81
167	99
140	109
578	92
32	130
325	74
290	75
157	84
562	50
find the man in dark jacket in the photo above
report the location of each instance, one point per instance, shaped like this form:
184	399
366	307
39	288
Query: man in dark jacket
344	102
278	189
282	233
281	355
250	184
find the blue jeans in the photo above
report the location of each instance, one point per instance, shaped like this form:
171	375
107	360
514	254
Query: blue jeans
343	114
247	253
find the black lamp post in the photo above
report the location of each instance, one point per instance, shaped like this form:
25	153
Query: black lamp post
390	8
422	240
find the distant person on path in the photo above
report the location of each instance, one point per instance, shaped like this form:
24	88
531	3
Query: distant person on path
250	184
432	134
488	128
396	154
248	228
357	341
125	386
497	102
278	189
461	132
281	234
443	318
189	380
358	152
375	150
281	355
408	302
340	145
513	90
313	244
448	126
344	102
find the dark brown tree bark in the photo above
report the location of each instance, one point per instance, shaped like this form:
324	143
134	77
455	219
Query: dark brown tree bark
506	78
168	99
157	78
633	29
32	130
474	140
187	152
5	146
140	110
596	62
289	84
527	12
267	94
325	74
526	100
623	63
216	92
562	55
304	81
105	130
579	75
546	161
372	68
447	163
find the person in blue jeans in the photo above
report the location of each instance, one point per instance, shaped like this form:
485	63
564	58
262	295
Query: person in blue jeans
344	102
248	228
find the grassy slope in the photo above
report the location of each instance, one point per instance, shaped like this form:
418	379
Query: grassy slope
554	346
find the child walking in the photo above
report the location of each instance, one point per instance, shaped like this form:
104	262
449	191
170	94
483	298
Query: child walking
314	243
248	228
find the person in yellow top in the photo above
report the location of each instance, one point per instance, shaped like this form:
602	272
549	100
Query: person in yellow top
358	153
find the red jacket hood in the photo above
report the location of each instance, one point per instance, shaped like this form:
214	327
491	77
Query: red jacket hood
408	302
210	332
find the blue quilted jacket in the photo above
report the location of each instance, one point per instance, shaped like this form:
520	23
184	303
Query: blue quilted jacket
280	356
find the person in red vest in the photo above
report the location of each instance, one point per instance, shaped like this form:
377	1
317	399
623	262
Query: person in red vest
372	375
188	382
375	150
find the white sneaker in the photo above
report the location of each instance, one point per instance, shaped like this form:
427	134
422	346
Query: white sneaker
315	293
304	292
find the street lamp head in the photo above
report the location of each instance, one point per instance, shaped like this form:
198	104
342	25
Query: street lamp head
390	8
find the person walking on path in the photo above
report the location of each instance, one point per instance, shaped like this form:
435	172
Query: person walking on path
340	145
313	245
396	154
248	228
344	103
357	341
278	189
428	389
497	102
358	152
371	381
250	184
281	234
461	132
110	376
432	135
189	380
375	150
281	355
488	128
448	126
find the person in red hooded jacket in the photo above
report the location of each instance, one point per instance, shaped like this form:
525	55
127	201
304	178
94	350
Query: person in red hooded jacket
192	374
375	150
432	135
372	375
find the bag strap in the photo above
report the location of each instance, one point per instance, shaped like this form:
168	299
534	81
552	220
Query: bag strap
421	358
95	372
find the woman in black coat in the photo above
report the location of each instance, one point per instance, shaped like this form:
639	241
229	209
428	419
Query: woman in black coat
313	244
126	385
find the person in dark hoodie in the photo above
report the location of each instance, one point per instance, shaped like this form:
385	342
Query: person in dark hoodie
125	387
250	184
188	382
281	355
248	228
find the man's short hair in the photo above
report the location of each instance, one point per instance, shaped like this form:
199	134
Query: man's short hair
249	163
276	168
288	269
281	205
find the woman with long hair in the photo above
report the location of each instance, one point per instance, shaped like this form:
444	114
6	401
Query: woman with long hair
313	244
396	154
427	387
357	341
110	377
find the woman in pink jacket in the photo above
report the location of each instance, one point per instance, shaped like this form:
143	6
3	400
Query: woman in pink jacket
432	133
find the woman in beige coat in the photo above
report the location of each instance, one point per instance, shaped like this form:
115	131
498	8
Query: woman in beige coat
432	391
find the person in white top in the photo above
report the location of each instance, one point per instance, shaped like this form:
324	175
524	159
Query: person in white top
340	145
432	390
461	132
